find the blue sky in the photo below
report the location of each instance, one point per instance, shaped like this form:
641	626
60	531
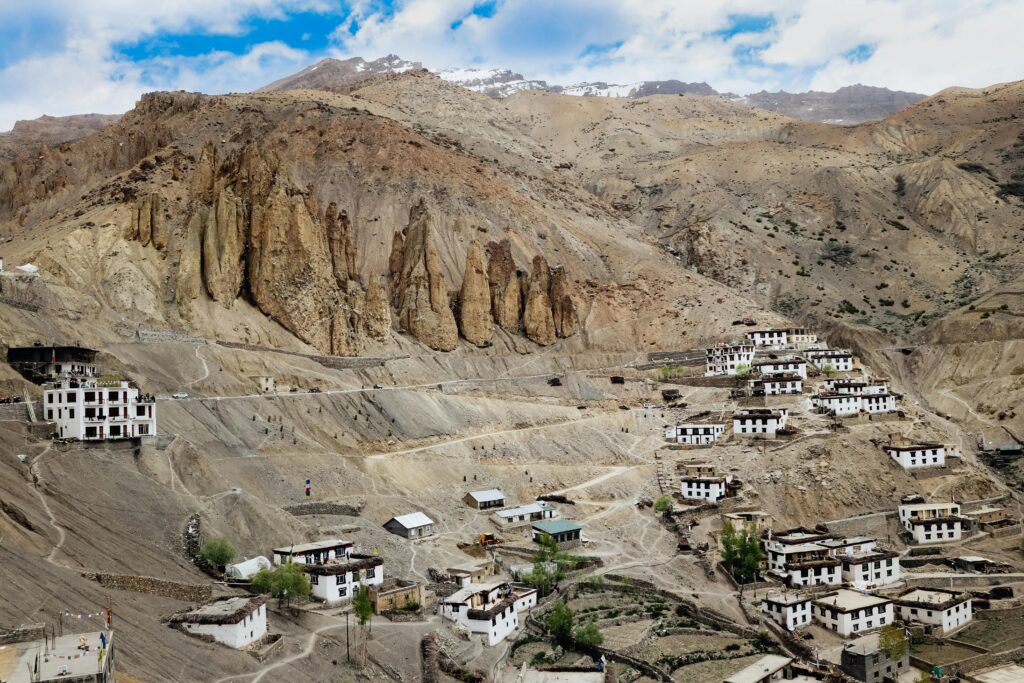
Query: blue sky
71	56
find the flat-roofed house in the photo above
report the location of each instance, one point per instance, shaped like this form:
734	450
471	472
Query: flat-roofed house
485	500
709	487
759	422
781	366
849	612
314	552
832	360
412	526
866	661
73	657
339	580
765	670
932	522
726	359
696	433
522	515
914	455
769	338
565	533
237	622
878	403
789	609
840	405
487	609
943	610
781	384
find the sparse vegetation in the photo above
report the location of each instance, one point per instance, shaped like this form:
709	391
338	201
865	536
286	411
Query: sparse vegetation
285	582
741	552
662	504
217	551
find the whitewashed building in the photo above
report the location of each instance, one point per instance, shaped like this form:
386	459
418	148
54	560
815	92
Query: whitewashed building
696	433
799	558
768	668
769	339
708	488
845	386
878	403
834	360
315	552
522	515
775	385
488	609
759	421
789	609
849	612
781	366
913	455
870	569
947	610
93	410
932	522
725	359
840	405
339	580
237	622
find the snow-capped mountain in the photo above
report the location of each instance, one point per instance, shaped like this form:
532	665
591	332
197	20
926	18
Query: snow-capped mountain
851	104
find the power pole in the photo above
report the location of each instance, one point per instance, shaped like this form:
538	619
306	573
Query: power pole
348	654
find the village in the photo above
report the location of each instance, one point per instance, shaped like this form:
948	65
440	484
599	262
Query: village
537	588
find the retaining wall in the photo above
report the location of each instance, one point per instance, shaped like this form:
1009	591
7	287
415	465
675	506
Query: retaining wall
22	633
186	592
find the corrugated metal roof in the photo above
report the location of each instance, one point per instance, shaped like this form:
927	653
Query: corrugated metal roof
413	520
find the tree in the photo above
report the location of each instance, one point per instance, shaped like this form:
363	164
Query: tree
549	565
362	606
217	551
893	642
559	623
925	677
828	369
742	371
662	504
588	635
285	582
741	552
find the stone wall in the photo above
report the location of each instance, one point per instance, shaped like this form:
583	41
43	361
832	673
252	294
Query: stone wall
22	633
323	508
186	592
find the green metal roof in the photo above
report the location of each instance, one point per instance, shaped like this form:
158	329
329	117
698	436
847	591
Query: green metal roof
556	526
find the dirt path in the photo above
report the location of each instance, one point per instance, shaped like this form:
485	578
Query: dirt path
206	370
34	486
614	472
502	432
306	651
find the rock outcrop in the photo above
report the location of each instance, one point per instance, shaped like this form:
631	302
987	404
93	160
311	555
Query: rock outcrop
189	282
563	311
146	224
424	310
506	294
342	244
475	321
224	238
538	321
290	272
377	315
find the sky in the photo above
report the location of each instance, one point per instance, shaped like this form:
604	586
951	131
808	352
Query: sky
63	57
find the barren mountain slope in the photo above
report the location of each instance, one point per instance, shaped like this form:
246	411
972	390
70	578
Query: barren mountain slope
205	213
27	136
902	219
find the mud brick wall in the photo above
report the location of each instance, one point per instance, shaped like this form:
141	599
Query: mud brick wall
186	592
22	634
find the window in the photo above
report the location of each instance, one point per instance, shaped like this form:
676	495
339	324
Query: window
49	398
70	397
314	579
49	413
71	413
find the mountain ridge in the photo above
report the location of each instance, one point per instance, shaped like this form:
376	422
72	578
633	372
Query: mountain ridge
849	104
